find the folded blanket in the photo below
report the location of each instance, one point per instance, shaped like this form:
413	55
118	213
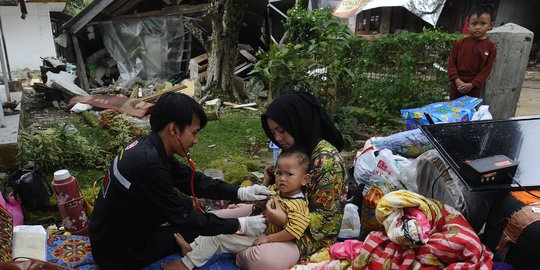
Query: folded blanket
436	237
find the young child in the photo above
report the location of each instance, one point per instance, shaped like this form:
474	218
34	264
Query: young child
291	174
472	58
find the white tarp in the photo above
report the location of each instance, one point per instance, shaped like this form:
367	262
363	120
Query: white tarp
427	10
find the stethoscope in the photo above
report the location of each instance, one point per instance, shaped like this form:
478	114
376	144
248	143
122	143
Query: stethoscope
192	180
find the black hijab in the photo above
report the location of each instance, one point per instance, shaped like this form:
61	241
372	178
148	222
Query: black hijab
304	118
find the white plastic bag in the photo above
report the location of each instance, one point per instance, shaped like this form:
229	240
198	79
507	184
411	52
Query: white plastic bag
482	113
386	172
350	226
408	173
364	165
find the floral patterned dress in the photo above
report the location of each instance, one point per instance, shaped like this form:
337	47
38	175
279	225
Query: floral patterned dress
326	193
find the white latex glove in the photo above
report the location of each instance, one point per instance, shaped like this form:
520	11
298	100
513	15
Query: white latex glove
252	226
254	193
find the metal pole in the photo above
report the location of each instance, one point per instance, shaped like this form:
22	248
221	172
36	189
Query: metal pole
2	122
5	51
4	73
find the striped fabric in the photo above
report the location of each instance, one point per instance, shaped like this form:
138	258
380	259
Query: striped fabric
452	243
297	215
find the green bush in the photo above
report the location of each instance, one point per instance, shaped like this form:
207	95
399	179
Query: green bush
57	148
381	75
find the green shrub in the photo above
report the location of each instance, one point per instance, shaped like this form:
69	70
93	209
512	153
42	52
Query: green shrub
57	148
381	75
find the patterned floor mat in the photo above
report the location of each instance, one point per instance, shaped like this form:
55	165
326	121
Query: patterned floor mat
70	250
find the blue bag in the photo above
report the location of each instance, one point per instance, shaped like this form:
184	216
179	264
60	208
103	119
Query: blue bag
458	110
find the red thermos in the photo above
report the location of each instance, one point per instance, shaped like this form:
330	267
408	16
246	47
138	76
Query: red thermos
70	202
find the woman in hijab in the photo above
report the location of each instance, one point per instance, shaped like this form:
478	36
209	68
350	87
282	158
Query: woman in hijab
299	121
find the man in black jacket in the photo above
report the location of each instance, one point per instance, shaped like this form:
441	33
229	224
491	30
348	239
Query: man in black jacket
138	209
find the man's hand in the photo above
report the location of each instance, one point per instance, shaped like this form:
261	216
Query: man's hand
254	193
252	226
261	240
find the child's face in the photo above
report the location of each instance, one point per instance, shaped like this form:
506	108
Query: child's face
290	176
479	25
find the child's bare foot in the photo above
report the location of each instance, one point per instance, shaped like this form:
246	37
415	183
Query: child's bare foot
184	245
174	265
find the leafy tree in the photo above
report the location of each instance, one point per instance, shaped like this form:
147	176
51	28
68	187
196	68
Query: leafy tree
75	6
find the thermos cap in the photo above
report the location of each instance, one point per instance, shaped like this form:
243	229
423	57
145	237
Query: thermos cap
61	175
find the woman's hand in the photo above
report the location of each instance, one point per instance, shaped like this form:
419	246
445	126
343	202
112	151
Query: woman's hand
261	240
274	213
268	175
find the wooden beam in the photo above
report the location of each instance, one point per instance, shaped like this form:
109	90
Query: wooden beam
248	56
182	9
88	16
48	1
241	106
175	88
81	68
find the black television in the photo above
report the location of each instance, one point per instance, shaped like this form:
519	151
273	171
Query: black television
518	139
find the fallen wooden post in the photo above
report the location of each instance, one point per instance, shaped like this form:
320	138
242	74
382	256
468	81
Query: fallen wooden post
175	88
246	106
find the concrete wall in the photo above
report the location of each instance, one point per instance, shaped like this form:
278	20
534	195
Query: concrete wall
28	39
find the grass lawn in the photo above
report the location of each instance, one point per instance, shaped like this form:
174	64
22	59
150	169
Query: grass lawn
235	143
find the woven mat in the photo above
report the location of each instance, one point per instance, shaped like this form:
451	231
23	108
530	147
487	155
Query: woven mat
70	250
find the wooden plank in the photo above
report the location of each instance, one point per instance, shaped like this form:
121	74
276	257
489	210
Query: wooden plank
98	6
242	68
134	91
48	1
245	105
70	89
175	88
248	56
200	58
240	106
81	67
181	9
203	68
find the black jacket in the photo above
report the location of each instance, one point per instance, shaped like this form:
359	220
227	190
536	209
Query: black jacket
138	199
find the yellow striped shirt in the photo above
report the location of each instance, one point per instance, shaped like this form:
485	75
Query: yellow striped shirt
297	214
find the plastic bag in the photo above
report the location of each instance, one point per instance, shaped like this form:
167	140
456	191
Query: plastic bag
386	173
350	226
482	113
410	143
364	165
408	174
13	206
458	110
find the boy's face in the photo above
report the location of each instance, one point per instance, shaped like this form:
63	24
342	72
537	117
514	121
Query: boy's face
479	25
290	176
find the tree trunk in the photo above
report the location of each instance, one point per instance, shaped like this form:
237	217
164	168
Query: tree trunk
227	18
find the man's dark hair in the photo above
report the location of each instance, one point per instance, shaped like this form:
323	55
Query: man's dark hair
177	108
301	157
478	11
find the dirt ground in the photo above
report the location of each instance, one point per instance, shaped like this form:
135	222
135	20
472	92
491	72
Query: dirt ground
529	99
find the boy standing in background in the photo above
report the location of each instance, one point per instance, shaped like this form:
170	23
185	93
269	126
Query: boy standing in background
472	58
